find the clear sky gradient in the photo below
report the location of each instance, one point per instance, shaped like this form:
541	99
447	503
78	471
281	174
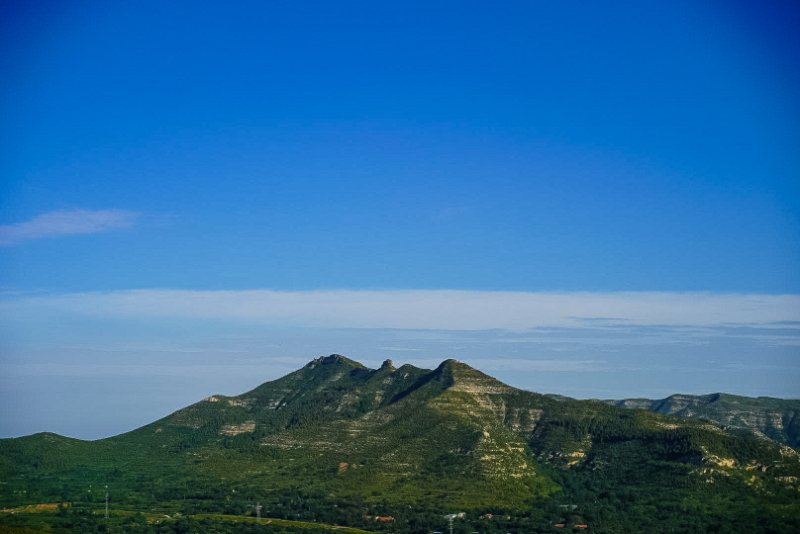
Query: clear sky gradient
595	199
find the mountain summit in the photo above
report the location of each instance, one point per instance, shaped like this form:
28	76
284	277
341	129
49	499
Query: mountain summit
338	441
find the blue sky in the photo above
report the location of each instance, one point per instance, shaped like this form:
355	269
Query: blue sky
611	192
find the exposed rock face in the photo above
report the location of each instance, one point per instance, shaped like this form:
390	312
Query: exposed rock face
233	430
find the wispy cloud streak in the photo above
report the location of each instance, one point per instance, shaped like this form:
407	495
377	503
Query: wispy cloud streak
66	222
424	309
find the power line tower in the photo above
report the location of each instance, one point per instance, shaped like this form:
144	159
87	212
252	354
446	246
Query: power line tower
450	518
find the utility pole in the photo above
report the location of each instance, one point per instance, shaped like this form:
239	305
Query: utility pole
107	503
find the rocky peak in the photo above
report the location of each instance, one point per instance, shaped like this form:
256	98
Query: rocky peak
462	377
333	359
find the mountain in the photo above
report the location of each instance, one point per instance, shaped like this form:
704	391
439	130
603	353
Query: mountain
340	443
778	419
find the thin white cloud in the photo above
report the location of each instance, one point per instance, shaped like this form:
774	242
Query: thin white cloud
66	222
421	309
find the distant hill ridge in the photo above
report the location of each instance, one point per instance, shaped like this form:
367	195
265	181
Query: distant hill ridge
778	419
